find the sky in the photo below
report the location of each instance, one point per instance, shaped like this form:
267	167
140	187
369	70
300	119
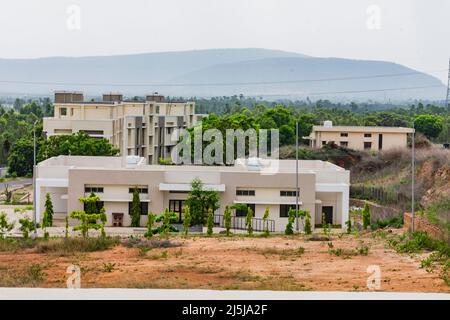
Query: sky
415	33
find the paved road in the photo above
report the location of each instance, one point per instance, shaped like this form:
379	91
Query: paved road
16	183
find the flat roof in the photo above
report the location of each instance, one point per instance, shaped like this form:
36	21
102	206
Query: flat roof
363	129
119	163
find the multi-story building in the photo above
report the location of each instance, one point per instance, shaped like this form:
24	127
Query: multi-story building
141	128
323	188
359	138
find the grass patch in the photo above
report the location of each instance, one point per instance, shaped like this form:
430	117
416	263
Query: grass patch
73	245
28	276
420	241
282	253
361	250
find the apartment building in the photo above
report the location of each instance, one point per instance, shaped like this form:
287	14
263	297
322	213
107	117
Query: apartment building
141	128
359	137
323	187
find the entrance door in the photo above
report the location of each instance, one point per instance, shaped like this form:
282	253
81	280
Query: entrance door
117	219
178	207
328	211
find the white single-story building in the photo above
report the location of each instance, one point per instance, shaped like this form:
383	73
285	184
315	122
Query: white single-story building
323	187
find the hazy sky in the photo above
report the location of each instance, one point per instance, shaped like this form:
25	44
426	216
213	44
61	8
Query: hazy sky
415	33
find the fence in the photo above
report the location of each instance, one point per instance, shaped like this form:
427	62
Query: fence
238	223
380	195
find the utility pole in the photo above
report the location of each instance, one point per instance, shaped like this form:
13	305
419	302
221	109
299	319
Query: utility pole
447	98
413	172
34	180
296	177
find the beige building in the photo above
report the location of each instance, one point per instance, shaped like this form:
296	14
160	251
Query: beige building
359	138
323	188
140	128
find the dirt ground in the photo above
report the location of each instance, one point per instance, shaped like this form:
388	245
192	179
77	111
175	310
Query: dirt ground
273	263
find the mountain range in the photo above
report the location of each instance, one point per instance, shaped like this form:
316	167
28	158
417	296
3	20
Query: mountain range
217	72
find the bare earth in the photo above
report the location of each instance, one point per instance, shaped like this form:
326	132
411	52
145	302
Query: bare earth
238	263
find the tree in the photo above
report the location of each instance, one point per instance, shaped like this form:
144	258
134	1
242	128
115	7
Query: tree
77	144
136	208
200	200
325	225
210	222
366	215
289	225
88	219
5	226
20	159
248	221
265	223
227	220
186	220
47	220
429	124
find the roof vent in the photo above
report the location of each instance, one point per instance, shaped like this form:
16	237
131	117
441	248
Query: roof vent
328	124
132	161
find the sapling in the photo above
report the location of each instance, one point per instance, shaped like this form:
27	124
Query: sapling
187	220
308	229
248	221
227	220
289	225
266	225
5	226
210	222
47	220
348	223
150	223
366	215
26	226
66	232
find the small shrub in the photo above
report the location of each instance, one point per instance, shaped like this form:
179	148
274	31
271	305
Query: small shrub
108	267
36	273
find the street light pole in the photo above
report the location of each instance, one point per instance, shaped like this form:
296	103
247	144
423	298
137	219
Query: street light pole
413	165
34	179
296	176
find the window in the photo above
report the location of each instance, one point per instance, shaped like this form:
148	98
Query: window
141	190
344	134
245	192
71	111
344	144
284	209
367	135
144	208
367	145
157	109
243	212
99	204
287	193
63	111
93	132
93	189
